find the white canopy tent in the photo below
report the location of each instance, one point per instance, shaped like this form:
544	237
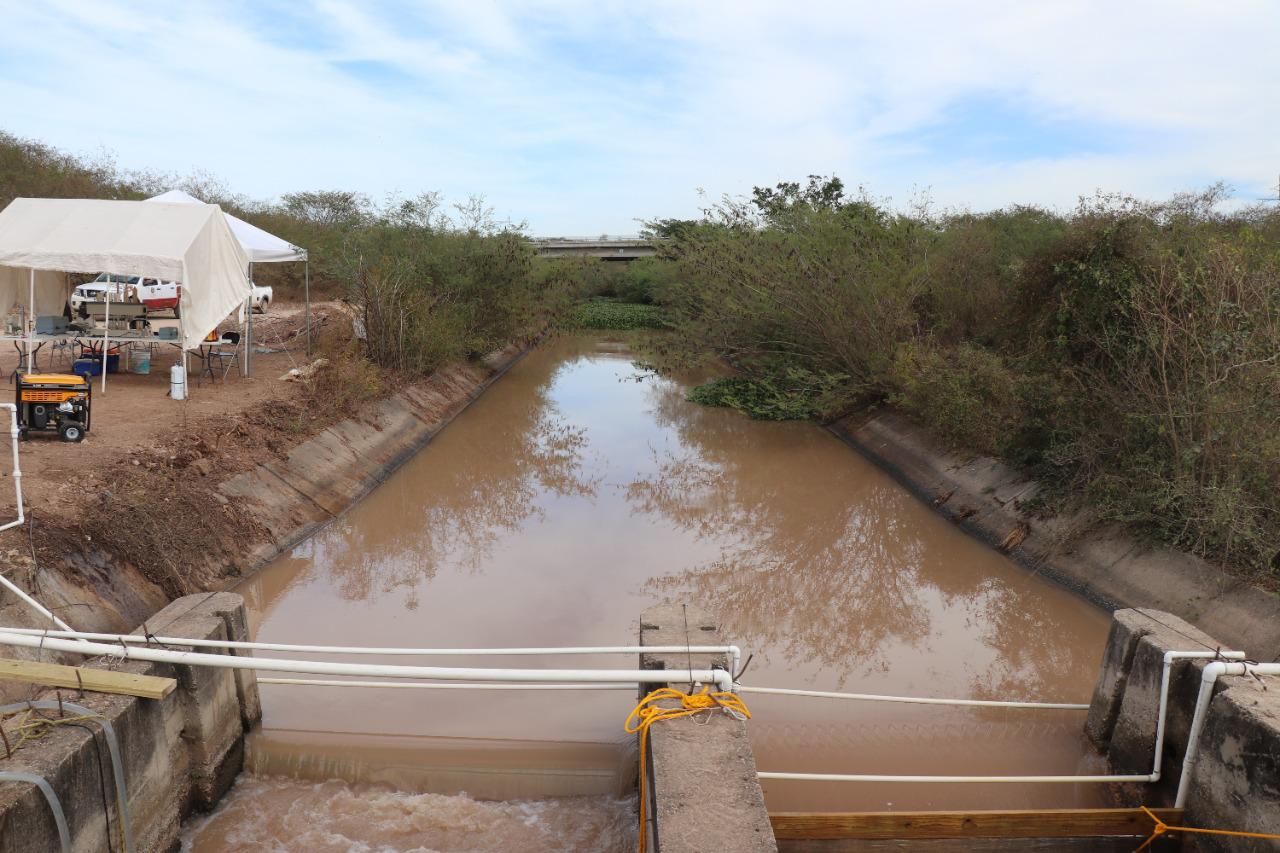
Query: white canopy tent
261	247
41	239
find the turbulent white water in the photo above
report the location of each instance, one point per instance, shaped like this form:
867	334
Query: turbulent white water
277	815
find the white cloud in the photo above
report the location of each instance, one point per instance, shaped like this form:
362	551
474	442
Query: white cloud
581	116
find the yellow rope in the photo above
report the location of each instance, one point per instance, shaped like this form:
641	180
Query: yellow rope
1161	828
646	713
32	726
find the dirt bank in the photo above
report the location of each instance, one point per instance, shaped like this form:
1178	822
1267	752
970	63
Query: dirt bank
1100	561
122	526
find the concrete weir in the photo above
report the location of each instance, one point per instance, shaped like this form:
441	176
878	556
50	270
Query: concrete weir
180	753
1235	782
703	792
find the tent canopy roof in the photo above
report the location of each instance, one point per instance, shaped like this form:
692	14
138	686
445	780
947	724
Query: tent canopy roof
91	235
190	243
261	246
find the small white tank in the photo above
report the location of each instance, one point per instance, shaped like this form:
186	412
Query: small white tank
177	382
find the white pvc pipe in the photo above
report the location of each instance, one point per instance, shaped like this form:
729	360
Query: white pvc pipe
735	654
17	490
915	700
721	678
1153	776
1207	682
872	777
17	470
434	685
1163	713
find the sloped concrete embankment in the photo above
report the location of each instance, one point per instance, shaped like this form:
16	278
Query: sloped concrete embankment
320	478
180	753
1100	561
286	498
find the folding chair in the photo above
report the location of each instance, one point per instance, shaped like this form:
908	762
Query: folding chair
228	359
61	353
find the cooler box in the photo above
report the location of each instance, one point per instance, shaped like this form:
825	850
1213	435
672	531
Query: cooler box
140	361
87	367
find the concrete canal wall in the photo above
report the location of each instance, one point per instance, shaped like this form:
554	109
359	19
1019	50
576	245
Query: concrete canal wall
1100	561
289	498
1235	782
322	477
180	753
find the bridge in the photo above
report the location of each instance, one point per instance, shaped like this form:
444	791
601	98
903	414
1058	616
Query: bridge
604	247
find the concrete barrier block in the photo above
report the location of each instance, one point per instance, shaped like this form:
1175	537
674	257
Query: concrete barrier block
680	625
1127	627
157	760
703	788
213	727
1236	781
230	607
1132	742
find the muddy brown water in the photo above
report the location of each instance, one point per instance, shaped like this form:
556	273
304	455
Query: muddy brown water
573	494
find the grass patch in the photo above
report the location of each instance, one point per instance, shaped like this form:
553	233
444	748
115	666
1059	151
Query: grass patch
617	316
791	395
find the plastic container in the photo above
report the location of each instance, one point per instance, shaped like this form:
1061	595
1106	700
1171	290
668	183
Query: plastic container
113	363
140	361
87	367
177	383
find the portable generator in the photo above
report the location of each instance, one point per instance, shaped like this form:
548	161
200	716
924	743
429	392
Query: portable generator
54	401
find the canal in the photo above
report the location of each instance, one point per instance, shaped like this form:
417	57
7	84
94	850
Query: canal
573	494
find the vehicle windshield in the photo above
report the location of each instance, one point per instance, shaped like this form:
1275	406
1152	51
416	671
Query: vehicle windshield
118	279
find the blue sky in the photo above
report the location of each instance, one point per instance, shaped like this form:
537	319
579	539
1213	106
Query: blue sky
582	117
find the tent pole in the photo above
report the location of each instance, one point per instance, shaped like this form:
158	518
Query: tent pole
31	319
248	346
306	288
106	334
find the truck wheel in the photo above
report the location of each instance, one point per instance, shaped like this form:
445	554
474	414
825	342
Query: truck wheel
71	431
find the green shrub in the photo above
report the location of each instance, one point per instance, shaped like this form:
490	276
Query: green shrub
1128	353
964	392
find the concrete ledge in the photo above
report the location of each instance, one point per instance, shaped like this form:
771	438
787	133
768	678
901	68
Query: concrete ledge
1235	783
703	789
1236	780
179	753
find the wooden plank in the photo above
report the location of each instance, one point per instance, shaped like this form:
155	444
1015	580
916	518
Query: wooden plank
97	680
1045	823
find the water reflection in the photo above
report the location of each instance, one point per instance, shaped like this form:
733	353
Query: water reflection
457	519
569	498
789	589
838	572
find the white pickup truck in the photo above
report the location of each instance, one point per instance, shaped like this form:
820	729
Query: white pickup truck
155	295
260	298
